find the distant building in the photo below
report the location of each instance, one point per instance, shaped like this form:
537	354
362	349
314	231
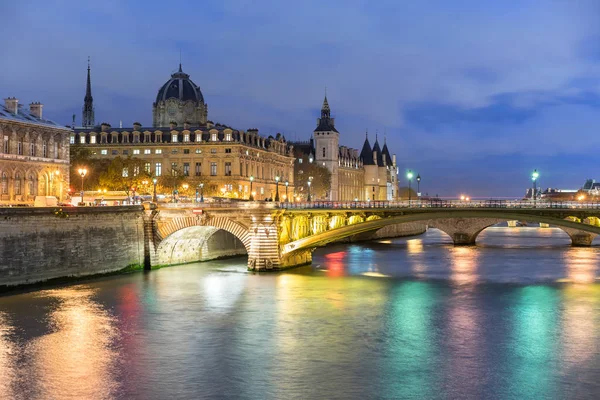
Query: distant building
182	139
34	157
371	174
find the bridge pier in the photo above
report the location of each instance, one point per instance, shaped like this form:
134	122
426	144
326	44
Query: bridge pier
580	238
463	231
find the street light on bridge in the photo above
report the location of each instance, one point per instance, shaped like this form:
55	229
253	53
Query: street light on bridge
308	183
286	191
154	181
251	192
82	173
534	176
409	176
419	186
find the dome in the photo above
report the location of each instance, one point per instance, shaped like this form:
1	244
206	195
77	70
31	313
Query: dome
180	87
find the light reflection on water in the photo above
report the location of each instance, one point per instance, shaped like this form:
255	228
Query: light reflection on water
406	318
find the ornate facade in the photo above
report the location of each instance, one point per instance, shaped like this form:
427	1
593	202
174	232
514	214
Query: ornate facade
370	175
222	157
34	157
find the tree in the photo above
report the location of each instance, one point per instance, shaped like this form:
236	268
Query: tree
403	193
124	174
305	170
81	157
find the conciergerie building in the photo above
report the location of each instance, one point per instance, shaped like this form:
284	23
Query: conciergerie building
183	139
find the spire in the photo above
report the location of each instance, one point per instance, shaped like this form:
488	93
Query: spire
180	70
88	102
325	123
325	110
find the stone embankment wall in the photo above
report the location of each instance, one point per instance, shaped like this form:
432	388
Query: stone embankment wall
37	245
390	231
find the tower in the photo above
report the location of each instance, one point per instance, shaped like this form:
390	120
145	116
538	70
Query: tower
327	140
87	120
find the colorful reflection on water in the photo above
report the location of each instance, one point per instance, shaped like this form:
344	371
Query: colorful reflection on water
405	318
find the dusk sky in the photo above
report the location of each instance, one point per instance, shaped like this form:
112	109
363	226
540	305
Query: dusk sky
473	95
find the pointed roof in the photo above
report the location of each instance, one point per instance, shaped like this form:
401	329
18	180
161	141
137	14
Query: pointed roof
325	106
366	154
377	149
87	119
325	123
386	153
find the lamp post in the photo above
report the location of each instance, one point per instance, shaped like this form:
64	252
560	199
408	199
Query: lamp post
154	181
82	172
286	191
202	193
409	176
308	183
276	188
534	176
251	193
419	185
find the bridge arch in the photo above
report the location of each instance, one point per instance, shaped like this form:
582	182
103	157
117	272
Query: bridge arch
193	238
462	226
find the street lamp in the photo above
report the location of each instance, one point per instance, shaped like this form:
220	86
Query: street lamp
82	172
276	188
534	176
202	193
154	181
419	185
286	191
409	176
308	183
251	192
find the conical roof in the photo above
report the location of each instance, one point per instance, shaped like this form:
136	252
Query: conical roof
366	154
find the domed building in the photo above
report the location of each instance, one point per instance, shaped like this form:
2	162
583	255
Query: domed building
179	100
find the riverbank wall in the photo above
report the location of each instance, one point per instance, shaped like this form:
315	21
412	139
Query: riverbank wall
389	232
45	243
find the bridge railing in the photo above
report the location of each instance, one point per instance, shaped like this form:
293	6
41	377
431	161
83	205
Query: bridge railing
438	204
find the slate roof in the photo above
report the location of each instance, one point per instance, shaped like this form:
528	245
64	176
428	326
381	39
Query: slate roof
366	154
181	87
23	115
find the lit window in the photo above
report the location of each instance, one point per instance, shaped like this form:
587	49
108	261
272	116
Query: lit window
93	139
213	137
198	137
125	173
104	152
186	137
186	169
213	169
198	151
299	161
147	151
262	190
228	137
158	151
136	151
82	139
158	169
72	139
227	169
174	168
213	151
147	167
174	138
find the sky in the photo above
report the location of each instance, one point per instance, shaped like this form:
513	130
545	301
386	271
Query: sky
472	95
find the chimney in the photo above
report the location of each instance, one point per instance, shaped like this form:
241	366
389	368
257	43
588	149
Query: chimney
173	125
35	109
186	125
394	159
12	104
137	126
105	127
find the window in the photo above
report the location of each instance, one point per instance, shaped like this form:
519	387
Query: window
213	137
227	169
198	137
228	187
136	170
136	151
323	151
147	167
228	151
158	151
174	169
213	169
6	144
20	147
72	139
213	151
228	137
82	139
104	152
17	184
114	152
55	150
174	138
147	151
31	186
158	169
125	152
186	137
186	151
299	161
32	149
262	190
198	169
186	169
174	151
93	139
4	183
198	151
125	172
45	149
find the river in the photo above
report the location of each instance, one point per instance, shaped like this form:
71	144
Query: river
517	317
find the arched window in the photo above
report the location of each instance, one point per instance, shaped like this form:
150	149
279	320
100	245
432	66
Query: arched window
4	183
31	184
45	150
17	184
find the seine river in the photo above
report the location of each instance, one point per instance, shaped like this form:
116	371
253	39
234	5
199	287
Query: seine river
517	317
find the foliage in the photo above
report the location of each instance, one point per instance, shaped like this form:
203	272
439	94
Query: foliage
124	174
81	157
303	171
60	213
403	193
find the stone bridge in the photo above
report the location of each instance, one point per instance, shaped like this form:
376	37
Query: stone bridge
277	236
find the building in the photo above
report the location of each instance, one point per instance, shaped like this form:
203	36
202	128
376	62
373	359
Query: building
227	161
34	157
371	174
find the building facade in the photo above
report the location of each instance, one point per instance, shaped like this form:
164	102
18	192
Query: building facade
371	174
229	162
34	157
